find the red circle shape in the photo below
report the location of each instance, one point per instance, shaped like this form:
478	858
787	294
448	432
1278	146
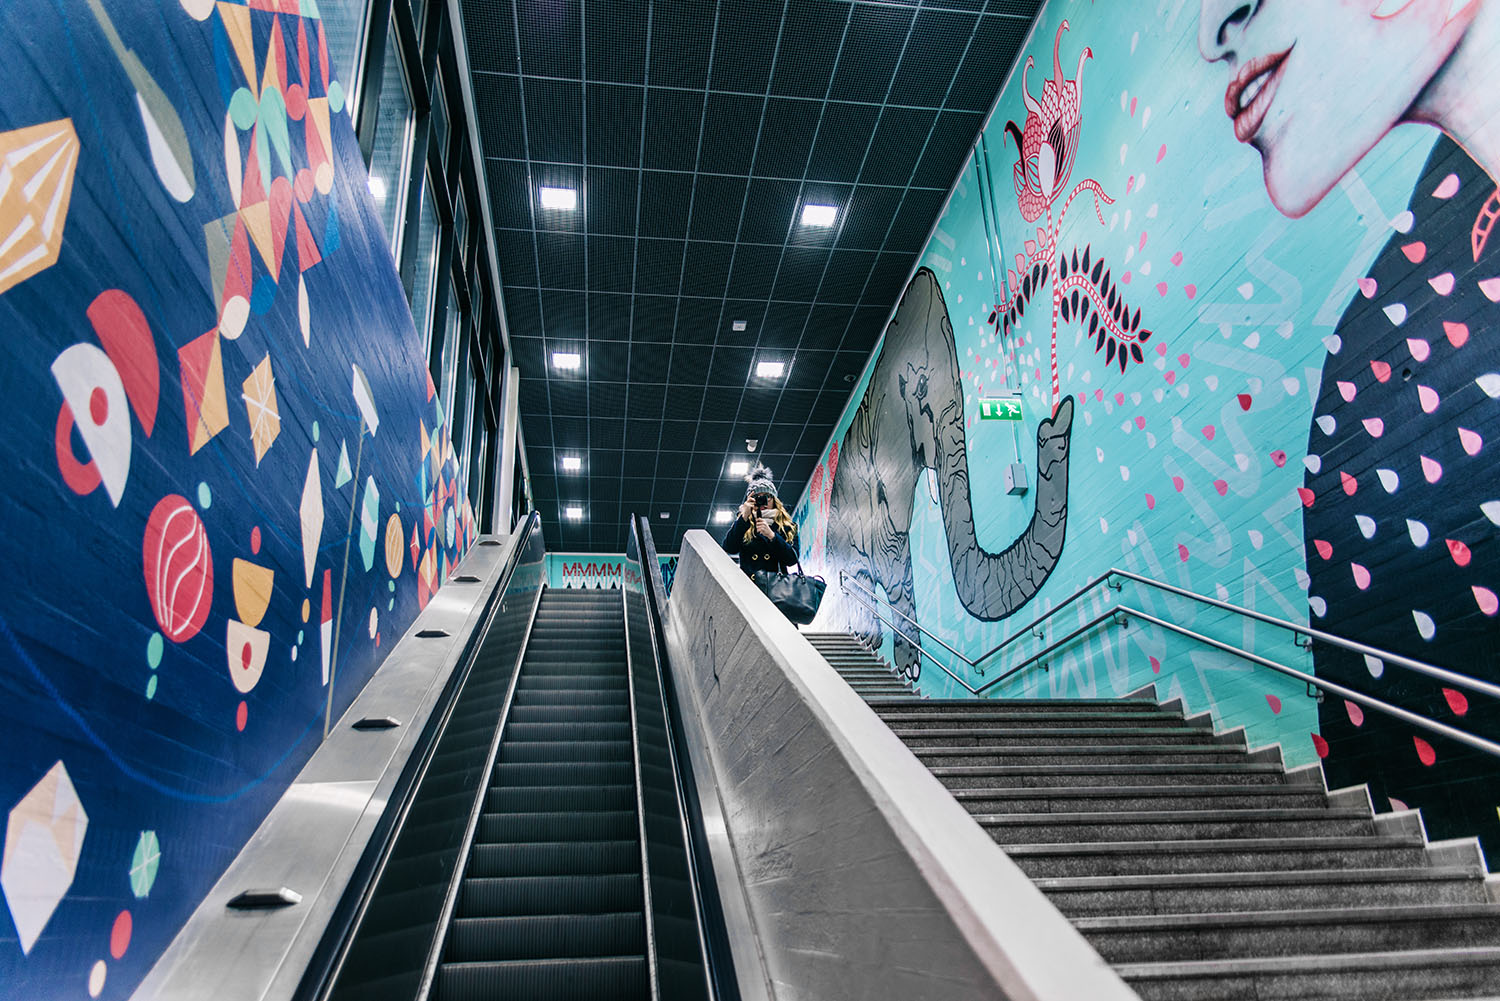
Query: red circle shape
255	541
241	715
98	405
178	568
296	102
119	935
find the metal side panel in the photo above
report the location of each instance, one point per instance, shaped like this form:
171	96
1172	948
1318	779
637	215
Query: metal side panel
314	836
863	876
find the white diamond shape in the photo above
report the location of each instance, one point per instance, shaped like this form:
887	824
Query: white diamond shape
43	840
312	517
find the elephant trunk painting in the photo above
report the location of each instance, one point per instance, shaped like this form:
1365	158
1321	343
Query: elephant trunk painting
911	419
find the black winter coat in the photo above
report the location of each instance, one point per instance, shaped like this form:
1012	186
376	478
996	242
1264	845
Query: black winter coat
774	554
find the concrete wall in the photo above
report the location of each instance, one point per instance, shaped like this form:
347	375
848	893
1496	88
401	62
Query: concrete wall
862	875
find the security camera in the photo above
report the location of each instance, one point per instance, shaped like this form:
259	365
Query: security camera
751	444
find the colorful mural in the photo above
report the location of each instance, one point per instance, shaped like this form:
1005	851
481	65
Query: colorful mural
204	458
591	570
1296	393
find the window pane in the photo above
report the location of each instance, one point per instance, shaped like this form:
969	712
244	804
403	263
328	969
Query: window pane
464	409
440	118
461	226
426	265
419	14
344	31
451	341
390	161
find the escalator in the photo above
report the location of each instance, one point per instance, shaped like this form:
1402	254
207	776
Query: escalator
545	850
551	905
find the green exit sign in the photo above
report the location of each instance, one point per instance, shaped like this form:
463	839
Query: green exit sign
1003	409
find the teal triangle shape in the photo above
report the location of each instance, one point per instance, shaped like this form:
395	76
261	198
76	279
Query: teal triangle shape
343	475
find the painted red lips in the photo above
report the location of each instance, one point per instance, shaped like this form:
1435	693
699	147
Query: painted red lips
1250	93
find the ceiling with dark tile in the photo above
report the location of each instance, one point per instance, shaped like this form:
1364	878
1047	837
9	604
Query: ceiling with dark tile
694	132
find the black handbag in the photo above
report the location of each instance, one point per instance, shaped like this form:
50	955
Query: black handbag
797	595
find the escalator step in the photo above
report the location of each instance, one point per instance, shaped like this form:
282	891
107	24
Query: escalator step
617	978
518	895
529	828
537	799
614	730
554	751
553	936
571	858
578	773
564	714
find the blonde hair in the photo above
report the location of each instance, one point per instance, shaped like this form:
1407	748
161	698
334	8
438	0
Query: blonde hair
782	520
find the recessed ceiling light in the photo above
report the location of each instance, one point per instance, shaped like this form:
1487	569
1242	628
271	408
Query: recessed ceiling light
723	516
739	325
574	513
769	369
664	516
572	462
377	188
739	468
819	215
559	198
566	360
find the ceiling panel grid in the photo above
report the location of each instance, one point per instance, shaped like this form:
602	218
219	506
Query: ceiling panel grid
694	133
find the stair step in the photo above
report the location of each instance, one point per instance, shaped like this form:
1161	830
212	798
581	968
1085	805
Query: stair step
1127	706
565	750
594	797
1453	973
1173	825
917	720
1190	893
568	858
1104	754
1093	736
1216	855
1064	799
516	828
1177	937
1038	775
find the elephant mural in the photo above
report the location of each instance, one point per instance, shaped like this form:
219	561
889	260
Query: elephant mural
911	418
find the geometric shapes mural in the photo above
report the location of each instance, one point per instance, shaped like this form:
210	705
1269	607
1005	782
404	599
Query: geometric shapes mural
43	839
36	183
182	199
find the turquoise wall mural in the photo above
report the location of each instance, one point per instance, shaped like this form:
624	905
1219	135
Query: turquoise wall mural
1233	263
222	507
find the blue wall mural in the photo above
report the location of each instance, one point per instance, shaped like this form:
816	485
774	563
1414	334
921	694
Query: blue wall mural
1240	286
228	487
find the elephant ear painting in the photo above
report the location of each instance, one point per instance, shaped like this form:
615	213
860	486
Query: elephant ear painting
911	419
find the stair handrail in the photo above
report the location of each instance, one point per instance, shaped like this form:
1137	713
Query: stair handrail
1033	629
1120	614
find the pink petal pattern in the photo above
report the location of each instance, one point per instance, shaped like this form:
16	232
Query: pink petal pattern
1470	440
1415	251
1375	426
1356	714
1488	603
1442	284
1457	333
1432	469
1428	397
1419	348
1491	289
1361	576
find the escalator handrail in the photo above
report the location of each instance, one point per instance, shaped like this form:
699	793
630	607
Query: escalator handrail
653	970
713	934
321	976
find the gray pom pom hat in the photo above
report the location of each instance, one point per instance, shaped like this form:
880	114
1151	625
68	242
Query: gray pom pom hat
759	481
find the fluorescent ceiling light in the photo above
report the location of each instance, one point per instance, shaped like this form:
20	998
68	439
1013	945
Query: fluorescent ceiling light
664	516
559	198
739	468
574	513
723	516
739	325
566	360
377	188
572	462
769	369
819	215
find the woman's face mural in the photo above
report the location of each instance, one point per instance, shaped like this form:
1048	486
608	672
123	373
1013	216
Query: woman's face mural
1314	86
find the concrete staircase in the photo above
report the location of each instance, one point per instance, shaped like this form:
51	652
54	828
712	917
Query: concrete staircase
865	671
1202	869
